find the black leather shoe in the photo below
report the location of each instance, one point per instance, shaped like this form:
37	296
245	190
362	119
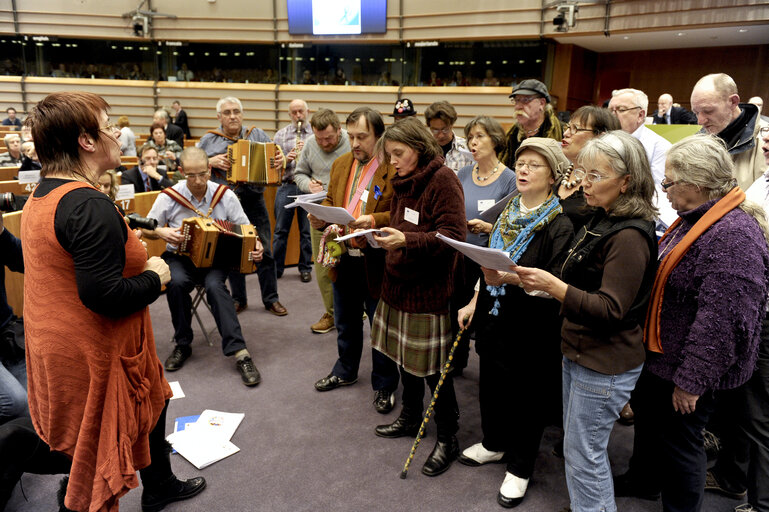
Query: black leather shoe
627	486
175	490
405	425
384	401
332	382
444	453
248	371
177	358
306	277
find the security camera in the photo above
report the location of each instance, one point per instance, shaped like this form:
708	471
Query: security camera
140	25
566	17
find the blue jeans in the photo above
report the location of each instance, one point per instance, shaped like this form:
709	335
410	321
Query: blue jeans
351	299
592	402
13	396
283	219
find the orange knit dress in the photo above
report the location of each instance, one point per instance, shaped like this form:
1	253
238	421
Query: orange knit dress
95	384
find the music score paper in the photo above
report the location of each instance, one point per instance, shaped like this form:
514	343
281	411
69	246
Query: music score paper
306	198
494	259
330	214
368	233
491	213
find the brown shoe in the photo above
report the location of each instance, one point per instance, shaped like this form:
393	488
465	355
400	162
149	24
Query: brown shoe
324	325
277	309
240	307
626	416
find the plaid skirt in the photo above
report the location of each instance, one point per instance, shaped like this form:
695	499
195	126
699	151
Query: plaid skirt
420	342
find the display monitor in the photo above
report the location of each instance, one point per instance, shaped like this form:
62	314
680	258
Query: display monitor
337	17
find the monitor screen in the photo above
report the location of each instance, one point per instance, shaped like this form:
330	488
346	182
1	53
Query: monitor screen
337	17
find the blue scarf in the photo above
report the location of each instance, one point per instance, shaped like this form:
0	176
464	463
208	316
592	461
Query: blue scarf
513	233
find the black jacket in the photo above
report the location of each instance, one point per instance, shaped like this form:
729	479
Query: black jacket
181	121
175	133
678	115
134	177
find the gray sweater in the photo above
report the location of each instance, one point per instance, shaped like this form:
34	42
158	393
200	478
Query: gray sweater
314	163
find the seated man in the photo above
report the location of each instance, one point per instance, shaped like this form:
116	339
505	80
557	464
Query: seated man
14	154
147	176
197	192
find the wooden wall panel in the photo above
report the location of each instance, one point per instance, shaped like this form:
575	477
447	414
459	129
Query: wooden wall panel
676	71
468	101
10	94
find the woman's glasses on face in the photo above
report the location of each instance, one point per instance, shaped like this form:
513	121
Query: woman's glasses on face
590	177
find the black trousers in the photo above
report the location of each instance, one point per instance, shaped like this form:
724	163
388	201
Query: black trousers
446	411
668	449
22	451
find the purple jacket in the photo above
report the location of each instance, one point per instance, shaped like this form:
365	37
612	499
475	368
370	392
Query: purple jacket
713	305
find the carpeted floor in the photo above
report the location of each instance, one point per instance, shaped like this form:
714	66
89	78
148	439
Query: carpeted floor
301	450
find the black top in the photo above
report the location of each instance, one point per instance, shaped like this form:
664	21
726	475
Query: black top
447	147
175	133
11	256
89	227
181	122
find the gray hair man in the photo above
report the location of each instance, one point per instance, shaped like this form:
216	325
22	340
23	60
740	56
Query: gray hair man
173	132
669	113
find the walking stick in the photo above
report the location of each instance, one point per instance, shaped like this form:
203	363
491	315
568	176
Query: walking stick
430	408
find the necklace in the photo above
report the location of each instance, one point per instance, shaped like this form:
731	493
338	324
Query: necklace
567	180
478	172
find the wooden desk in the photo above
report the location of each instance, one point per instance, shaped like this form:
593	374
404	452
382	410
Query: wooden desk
8	173
16	187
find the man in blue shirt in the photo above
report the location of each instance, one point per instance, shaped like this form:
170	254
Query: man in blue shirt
229	112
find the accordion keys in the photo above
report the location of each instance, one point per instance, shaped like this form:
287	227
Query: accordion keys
254	163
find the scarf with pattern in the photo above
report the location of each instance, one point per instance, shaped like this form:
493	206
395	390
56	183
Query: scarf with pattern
513	233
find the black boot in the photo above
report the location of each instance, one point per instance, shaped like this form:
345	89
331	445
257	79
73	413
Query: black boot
173	489
407	424
62	493
445	452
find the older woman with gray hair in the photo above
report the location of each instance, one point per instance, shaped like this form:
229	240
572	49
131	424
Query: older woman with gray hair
517	334
704	319
603	289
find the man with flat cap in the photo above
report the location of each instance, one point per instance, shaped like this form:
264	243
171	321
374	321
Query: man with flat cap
534	117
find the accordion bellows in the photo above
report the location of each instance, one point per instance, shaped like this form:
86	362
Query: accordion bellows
253	162
218	243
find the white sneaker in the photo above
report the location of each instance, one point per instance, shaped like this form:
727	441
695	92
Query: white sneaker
512	491
477	455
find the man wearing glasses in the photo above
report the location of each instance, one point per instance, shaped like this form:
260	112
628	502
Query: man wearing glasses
229	112
199	193
440	118
630	107
534	117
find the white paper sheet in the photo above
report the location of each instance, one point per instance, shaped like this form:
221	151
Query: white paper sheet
177	390
490	214
368	233
307	198
494	259
330	214
200	454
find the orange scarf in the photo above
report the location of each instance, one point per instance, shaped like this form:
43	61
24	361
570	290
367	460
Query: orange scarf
730	201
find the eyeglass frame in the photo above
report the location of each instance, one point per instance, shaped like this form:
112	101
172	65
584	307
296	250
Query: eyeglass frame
530	167
591	177
530	98
763	131
197	175
667	184
622	110
444	131
575	131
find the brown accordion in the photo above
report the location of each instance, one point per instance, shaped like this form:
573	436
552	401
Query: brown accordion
218	243
253	162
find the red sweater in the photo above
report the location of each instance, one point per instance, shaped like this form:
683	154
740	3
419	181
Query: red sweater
418	277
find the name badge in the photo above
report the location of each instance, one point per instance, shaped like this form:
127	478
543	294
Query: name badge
411	216
364	196
485	204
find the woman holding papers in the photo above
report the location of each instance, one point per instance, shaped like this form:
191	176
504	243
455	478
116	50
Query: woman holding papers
484	183
604	287
585	124
516	333
703	331
95	385
411	324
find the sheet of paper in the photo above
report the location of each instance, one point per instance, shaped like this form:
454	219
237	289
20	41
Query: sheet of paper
126	191
330	214
490	214
307	198
217	424
494	259
201	454
176	388
368	233
29	177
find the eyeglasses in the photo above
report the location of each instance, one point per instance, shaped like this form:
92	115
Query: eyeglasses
622	110
590	177
667	184
531	167
764	131
198	175
111	128
523	100
228	113
444	131
574	129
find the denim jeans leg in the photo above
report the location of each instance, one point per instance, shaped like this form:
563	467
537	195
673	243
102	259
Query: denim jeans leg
592	403
223	310
283	219
305	242
13	397
252	200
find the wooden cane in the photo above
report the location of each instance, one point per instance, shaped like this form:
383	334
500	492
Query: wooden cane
430	408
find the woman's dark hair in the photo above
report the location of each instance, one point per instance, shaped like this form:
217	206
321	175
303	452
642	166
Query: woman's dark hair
414	134
600	119
155	126
492	128
57	122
